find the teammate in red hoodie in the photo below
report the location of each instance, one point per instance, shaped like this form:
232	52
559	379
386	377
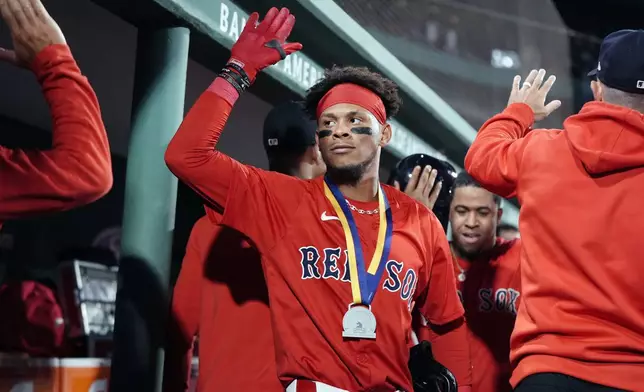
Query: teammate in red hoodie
221	293
326	243
580	325
78	169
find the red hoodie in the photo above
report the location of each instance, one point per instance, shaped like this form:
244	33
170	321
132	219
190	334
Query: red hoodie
582	309
78	168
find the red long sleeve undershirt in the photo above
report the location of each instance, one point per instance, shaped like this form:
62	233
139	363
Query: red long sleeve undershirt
78	168
451	348
191	154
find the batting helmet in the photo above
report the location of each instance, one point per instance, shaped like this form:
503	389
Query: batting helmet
445	173
427	374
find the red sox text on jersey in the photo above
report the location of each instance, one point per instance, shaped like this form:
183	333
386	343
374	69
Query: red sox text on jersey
326	264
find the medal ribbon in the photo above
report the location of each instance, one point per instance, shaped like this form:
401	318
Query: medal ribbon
364	284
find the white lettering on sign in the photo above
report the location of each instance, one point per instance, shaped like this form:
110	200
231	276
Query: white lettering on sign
230	24
300	69
223	18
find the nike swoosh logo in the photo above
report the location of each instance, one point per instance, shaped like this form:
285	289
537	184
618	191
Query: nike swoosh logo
326	217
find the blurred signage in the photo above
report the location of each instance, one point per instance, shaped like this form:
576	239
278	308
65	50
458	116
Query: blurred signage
299	73
54	375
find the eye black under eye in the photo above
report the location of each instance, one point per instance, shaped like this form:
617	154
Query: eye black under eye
324	133
362	130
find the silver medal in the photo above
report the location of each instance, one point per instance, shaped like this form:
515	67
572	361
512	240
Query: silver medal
359	323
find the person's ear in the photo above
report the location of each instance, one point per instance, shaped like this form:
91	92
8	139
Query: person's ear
597	89
385	134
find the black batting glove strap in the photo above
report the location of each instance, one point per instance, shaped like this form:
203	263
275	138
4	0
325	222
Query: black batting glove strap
239	70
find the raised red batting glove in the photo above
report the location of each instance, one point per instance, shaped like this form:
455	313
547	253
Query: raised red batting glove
264	44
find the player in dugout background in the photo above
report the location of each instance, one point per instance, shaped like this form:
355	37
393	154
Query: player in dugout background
77	170
488	279
221	293
316	237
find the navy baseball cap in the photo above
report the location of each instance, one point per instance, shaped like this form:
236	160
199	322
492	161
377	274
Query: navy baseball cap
287	128
621	61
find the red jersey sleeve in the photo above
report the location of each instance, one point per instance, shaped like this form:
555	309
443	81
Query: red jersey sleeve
78	169
438	300
495	156
186	308
255	202
451	348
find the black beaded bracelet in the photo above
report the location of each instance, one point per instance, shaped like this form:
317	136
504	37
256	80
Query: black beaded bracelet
237	77
240	71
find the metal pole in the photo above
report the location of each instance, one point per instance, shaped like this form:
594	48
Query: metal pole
142	302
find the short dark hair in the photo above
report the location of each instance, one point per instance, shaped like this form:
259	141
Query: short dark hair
285	162
622	98
362	76
463	179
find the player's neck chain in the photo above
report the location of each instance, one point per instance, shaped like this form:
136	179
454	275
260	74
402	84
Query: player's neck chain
360	210
462	273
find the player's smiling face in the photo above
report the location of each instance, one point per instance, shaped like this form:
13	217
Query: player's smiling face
350	136
473	217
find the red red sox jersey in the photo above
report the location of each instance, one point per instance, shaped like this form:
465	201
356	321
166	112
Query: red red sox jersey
304	257
490	295
305	264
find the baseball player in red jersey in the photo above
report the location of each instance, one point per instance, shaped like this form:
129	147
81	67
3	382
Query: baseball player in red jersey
77	170
226	302
488	275
343	255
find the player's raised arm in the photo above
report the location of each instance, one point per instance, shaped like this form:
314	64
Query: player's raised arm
191	154
78	169
495	156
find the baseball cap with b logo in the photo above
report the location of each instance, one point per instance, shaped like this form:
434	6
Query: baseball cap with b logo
621	61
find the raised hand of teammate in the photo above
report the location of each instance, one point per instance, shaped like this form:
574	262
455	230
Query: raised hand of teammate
533	92
32	30
422	187
263	44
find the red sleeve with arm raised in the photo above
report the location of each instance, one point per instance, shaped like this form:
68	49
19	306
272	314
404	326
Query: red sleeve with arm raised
78	169
191	154
186	308
495	156
255	202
